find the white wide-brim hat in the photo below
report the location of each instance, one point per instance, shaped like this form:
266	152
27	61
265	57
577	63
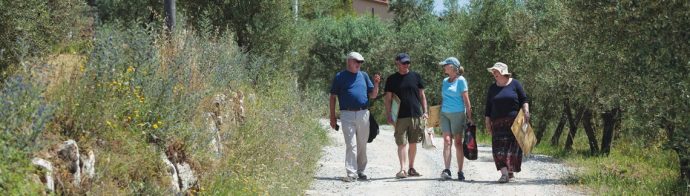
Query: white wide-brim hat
501	67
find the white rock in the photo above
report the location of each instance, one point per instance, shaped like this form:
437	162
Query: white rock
89	161
186	175
69	151
172	173
48	176
214	133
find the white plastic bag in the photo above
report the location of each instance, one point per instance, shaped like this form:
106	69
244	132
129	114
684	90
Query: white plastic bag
428	141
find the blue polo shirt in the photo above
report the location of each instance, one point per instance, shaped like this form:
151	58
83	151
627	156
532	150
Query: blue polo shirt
352	89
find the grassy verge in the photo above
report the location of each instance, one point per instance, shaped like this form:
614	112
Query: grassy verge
137	93
632	167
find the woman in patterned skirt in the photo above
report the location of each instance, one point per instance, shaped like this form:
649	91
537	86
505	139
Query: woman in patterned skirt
503	102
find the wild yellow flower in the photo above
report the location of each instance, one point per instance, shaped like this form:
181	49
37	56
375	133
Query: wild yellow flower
155	126
130	69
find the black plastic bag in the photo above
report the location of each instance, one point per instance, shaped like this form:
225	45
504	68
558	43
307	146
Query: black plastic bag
469	144
373	128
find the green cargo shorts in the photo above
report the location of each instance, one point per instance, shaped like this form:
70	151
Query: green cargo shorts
409	129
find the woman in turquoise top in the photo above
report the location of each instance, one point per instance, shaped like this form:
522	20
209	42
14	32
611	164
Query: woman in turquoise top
456	112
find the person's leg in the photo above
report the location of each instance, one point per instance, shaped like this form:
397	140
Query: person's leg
458	125
447	144
362	136
412	152
347	118
447	138
400	134
459	154
402	156
415	134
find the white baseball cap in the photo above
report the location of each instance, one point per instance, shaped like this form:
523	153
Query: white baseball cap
355	56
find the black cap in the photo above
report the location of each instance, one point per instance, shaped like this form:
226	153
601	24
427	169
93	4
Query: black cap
403	58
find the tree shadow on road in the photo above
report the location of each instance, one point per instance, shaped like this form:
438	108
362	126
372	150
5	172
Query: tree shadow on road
520	182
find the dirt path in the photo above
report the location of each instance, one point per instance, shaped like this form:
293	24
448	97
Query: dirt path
541	175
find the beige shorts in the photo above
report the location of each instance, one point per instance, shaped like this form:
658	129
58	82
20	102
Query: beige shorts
409	129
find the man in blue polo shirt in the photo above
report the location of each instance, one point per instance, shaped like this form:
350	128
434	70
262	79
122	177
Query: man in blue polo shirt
351	87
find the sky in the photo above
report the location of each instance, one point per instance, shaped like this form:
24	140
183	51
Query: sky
438	5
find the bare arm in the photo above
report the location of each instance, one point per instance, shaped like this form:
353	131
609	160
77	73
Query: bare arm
525	109
377	81
468	106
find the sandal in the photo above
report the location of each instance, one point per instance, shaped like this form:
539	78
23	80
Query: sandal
413	173
504	179
401	174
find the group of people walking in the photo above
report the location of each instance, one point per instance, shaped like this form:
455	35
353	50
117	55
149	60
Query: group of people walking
353	88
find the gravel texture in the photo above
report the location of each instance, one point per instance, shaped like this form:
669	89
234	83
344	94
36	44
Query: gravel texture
541	175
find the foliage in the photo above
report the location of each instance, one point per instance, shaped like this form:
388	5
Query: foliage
334	38
23	117
130	12
30	28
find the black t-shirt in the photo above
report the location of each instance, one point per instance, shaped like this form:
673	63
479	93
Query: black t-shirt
406	87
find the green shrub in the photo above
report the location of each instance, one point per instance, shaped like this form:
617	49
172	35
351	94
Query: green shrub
24	114
31	28
139	94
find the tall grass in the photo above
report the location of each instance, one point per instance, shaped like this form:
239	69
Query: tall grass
140	92
634	167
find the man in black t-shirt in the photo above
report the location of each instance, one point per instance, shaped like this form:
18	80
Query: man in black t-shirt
409	87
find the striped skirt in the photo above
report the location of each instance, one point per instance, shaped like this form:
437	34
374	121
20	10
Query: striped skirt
506	151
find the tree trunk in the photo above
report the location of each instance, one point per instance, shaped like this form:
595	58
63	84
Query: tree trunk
683	153
541	128
589	129
610	118
169	14
573	121
684	165
545	115
555	139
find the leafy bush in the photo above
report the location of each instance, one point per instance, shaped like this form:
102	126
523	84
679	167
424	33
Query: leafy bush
32	27
24	113
139	94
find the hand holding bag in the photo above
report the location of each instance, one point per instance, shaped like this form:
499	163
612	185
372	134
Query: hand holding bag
469	144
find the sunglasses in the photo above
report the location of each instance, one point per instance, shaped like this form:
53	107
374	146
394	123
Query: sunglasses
405	63
360	62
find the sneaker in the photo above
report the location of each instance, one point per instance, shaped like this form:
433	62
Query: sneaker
412	172
445	174
348	179
361	176
401	174
461	176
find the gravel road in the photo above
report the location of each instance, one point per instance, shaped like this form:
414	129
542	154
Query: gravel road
541	175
